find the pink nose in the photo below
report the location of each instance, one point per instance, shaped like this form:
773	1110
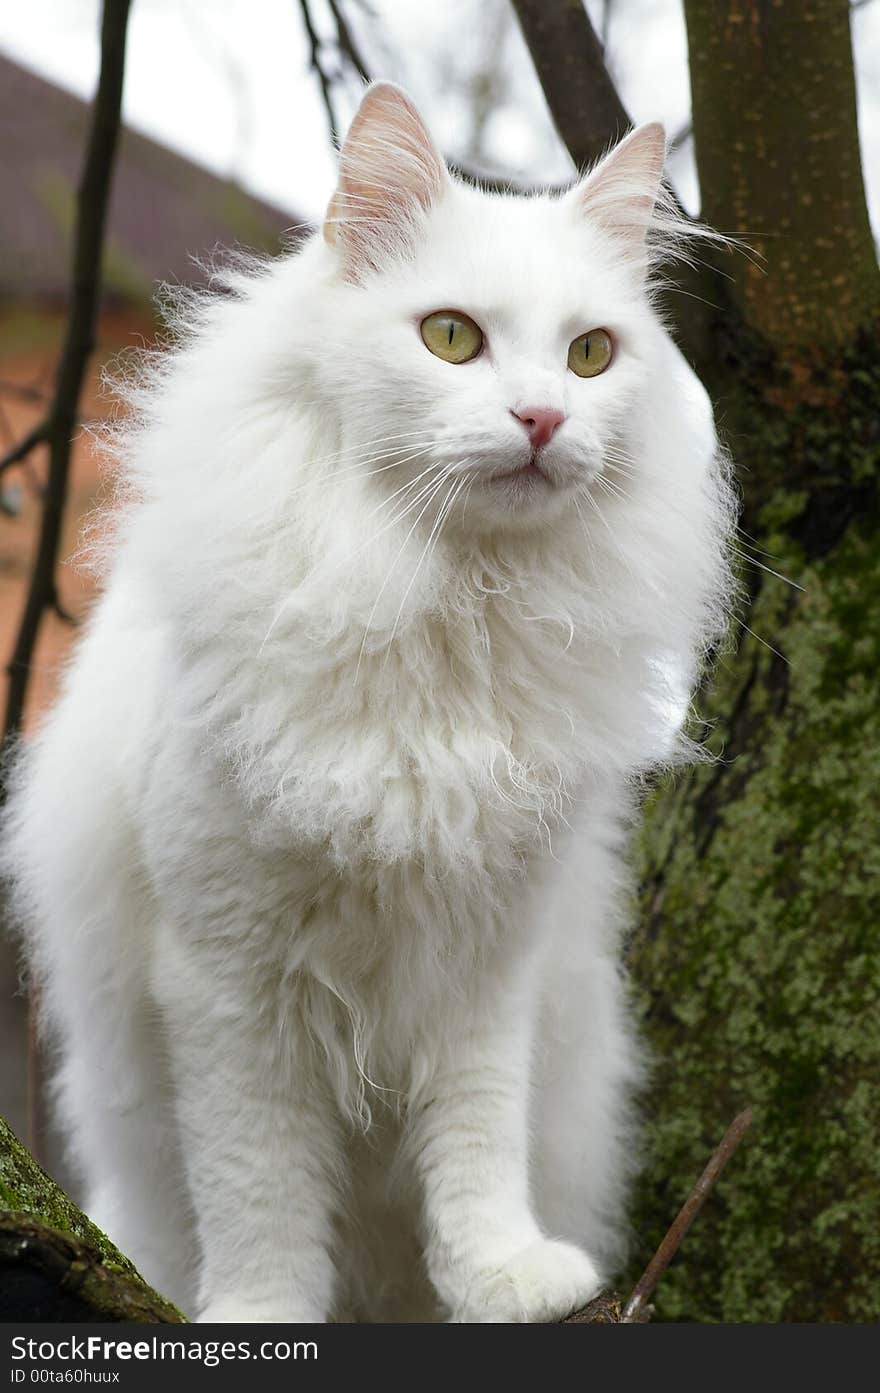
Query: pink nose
540	422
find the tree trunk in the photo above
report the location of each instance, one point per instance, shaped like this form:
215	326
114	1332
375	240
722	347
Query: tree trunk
757	960
774	115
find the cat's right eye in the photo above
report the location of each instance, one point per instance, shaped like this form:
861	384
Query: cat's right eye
589	354
452	336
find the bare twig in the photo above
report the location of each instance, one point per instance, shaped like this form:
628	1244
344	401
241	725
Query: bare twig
318	67
347	46
636	1309
58	428
23	390
28	442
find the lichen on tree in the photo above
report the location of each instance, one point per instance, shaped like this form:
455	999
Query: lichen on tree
55	1264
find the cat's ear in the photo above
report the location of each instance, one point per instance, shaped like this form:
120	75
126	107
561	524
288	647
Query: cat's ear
389	171
622	189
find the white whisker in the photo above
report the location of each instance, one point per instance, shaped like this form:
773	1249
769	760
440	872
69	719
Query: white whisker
435	486
585	493
760	640
753	561
433	536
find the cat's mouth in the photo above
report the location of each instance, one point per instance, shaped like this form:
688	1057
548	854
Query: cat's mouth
531	472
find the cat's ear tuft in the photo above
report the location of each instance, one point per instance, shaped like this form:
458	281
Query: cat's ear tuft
621	190
390	171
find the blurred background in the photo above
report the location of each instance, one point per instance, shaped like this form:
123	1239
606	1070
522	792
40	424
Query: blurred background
232	111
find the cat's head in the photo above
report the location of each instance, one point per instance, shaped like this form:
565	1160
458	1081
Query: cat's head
497	343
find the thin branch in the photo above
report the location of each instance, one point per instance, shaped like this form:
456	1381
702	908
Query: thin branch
59	427
318	68
636	1309
347	45
37	436
583	101
23	391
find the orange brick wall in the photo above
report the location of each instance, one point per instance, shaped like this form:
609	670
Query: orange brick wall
29	346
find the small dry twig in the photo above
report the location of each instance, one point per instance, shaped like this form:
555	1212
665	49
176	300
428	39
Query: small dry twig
637	1308
605	1309
25	445
318	68
347	45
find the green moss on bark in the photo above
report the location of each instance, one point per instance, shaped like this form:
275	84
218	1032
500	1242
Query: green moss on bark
25	1188
51	1252
757	963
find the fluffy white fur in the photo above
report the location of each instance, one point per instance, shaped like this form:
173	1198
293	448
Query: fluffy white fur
319	856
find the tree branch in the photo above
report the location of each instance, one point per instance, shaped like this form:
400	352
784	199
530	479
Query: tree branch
347	45
583	101
58	428
318	68
606	1307
28	442
636	1309
54	1263
48	1275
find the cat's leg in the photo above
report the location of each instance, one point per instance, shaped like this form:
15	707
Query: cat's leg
588	1064
114	1099
486	1254
261	1140
584	1138
89	935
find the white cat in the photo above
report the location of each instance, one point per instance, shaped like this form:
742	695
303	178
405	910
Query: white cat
320	855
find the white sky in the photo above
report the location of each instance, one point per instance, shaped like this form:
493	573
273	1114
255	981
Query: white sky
227	82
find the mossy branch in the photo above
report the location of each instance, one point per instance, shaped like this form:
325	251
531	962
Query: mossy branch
55	1264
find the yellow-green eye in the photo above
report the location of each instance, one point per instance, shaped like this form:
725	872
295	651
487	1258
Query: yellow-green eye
452	336
590	353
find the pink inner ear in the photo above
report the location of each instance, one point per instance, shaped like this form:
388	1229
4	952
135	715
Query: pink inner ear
389	168
621	190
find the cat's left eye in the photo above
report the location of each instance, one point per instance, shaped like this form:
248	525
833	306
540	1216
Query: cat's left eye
589	354
452	336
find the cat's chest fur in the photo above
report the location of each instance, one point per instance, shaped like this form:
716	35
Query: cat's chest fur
460	745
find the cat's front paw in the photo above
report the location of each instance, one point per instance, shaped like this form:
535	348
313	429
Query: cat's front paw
541	1283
